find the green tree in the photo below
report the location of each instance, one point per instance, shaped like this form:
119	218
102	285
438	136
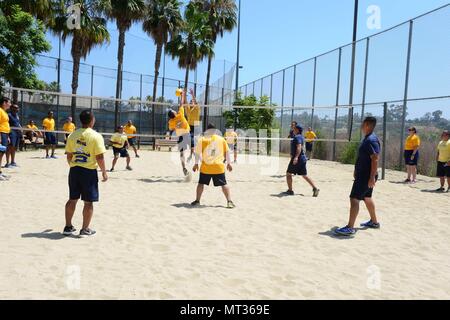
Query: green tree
22	37
193	42
162	20
92	32
437	115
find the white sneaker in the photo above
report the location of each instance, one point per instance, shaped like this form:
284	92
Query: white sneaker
3	177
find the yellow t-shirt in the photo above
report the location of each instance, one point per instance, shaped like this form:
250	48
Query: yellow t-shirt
310	136
130	130
32	127
179	123
444	151
230	137
119	140
4	122
193	114
212	149
85	144
69	127
412	142
48	124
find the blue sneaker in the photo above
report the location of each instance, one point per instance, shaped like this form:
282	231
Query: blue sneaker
54	157
345	231
370	224
13	164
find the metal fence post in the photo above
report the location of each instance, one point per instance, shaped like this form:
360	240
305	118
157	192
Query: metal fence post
337	103
92	84
282	102
140	104
293	92
313	93
383	159
365	79
270	91
405	97
262	84
58	79
253	91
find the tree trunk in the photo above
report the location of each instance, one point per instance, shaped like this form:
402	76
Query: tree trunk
205	109
76	56
15	96
155	82
119	75
186	77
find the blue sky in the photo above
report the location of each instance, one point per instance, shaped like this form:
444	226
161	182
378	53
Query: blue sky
276	34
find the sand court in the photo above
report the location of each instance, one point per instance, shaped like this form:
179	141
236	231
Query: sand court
150	244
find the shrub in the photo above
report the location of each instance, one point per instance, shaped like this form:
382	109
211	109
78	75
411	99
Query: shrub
349	153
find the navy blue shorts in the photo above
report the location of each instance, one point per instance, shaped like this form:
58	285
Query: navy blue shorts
408	161
218	179
50	138
83	183
309	146
192	133
184	143
4	140
298	169
131	141
442	170
123	152
360	189
15	138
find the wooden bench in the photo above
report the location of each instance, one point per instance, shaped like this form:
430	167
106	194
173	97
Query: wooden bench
165	143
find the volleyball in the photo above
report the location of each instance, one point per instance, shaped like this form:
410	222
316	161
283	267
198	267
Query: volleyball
178	92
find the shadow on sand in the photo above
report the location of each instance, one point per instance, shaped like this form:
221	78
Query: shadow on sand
284	195
189	206
48	234
332	234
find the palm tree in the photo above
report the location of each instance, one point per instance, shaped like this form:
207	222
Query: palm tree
221	18
124	12
193	42
92	32
163	19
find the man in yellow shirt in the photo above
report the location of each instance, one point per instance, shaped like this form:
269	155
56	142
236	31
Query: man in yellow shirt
85	150
443	160
130	130
310	136
231	138
179	124
119	142
68	126
411	154
5	104
193	116
212	149
50	140
33	131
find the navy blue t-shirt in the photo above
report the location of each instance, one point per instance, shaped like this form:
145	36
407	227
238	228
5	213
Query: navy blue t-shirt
14	120
296	140
369	146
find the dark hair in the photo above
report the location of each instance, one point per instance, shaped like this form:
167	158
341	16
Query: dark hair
294	122
446	132
5	99
412	129
372	121
171	114
86	117
210	126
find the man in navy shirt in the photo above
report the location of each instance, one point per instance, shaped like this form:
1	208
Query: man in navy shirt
15	136
297	165
366	176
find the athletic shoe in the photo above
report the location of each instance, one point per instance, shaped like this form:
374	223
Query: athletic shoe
413	182
112	169
315	192
289	192
370	224
129	168
54	157
87	232
7	166
47	157
185	171
441	189
230	205
3	178
345	231
69	230
195	203
137	156
13	164
407	180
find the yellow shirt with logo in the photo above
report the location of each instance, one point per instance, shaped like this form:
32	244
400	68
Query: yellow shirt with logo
48	124
230	137
4	122
179	123
412	142
310	136
193	114
212	150
32	127
119	140
69	127
130	130
444	151
85	144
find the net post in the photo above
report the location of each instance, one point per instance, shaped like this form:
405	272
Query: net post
293	92
92	84
282	101
337	102
383	159
313	93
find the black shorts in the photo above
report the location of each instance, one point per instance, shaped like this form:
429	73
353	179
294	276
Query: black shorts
309	146
123	152
83	183
298	169
442	170
66	135
184	142
360	189
218	179
15	138
3	140
192	134
50	138
131	141
408	161
232	146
